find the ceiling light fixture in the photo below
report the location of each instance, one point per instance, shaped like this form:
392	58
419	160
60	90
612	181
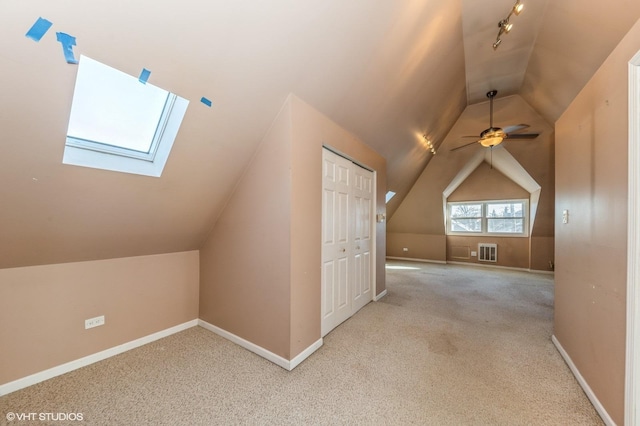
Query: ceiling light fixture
504	25
429	144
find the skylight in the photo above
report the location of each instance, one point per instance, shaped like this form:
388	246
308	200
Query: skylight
120	123
389	196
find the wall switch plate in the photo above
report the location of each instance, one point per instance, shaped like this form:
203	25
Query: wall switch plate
565	216
94	322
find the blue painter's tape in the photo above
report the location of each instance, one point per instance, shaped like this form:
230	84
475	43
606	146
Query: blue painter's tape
144	76
38	29
206	101
67	46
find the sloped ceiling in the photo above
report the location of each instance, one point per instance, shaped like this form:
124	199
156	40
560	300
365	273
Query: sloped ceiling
387	71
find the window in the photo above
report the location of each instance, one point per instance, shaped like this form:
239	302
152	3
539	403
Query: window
389	196
506	217
466	217
119	123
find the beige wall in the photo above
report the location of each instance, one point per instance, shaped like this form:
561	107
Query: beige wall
486	183
418	223
418	246
591	183
311	131
512	252
260	266
43	308
245	264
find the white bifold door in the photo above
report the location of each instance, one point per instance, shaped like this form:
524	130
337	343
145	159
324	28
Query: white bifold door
347	228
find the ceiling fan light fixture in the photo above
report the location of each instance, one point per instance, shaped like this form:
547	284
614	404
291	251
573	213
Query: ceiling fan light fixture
492	136
491	141
496	135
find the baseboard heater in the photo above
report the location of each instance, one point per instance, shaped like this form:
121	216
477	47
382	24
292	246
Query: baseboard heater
487	252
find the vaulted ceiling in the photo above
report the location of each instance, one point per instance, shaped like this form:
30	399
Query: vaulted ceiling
388	71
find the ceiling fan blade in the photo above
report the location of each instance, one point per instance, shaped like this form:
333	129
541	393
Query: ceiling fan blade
465	145
516	128
523	136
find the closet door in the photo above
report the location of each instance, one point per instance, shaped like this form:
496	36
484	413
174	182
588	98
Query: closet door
362	195
336	235
347	214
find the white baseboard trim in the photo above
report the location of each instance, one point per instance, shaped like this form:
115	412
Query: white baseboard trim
259	350
540	271
487	265
90	359
482	265
381	295
414	259
305	354
583	383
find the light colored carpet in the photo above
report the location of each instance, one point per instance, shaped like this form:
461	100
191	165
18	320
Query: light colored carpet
448	345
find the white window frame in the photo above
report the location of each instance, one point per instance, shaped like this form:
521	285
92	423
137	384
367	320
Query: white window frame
98	155
485	219
126	152
389	196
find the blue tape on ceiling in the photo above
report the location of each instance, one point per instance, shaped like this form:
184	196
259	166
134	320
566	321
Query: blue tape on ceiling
144	76
206	101
67	46
38	29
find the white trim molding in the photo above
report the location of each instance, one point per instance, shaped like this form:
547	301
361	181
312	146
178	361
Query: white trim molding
632	376
482	265
90	359
415	259
583	383
382	294
259	350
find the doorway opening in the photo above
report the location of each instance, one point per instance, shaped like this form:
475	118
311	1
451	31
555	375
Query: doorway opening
632	391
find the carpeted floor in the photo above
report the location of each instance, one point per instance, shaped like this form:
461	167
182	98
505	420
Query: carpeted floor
448	345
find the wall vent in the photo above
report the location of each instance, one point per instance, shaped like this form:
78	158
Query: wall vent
487	252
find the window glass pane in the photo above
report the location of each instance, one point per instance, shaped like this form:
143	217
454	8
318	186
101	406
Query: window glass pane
466	225
389	196
505	225
488	217
466	210
114	108
506	209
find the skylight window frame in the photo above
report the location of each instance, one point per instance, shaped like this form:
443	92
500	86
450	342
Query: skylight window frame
128	152
389	196
99	155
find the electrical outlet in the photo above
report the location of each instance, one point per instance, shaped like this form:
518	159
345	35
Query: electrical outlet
405	249
94	322
474	253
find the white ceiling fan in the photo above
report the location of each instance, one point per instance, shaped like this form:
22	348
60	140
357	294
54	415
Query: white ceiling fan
495	135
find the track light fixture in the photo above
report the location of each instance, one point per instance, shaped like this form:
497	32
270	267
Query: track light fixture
504	25
429	144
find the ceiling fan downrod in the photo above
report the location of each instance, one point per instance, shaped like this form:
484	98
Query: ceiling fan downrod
491	94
